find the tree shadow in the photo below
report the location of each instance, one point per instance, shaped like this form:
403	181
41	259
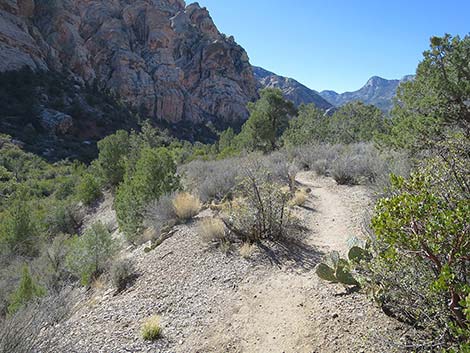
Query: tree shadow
291	252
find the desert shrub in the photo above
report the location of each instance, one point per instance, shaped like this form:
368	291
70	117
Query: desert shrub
51	264
121	273
422	234
18	228
212	231
160	214
212	180
63	217
357	163
247	250
279	167
299	198
153	176
27	291
90	253
151	329
26	330
308	156
186	206
262	212
88	190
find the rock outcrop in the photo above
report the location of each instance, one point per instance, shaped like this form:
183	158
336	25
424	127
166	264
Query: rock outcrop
164	58
292	89
377	91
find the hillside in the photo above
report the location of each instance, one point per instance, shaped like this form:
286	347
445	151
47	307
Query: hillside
377	91
215	302
292	89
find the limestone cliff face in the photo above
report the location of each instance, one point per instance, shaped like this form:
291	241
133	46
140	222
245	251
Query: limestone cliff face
165	58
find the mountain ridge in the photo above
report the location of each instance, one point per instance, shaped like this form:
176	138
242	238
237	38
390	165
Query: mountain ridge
291	88
377	91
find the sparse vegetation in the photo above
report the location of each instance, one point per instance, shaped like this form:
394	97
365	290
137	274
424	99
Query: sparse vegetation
416	262
213	180
212	231
186	206
247	250
90	253
262	210
160	214
299	198
151	329
27	291
121	274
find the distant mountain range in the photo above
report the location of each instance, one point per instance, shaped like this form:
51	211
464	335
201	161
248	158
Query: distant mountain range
377	91
292	89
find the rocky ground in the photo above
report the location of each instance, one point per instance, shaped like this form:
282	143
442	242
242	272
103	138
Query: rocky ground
215	302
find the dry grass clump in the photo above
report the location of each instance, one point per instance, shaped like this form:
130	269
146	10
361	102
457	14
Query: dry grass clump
212	230
151	329
299	199
186	206
247	250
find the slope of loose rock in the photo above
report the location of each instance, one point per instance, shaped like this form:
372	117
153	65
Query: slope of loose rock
215	302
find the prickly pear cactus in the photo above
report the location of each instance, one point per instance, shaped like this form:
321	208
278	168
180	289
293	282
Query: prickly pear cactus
344	276
336	270
357	254
325	272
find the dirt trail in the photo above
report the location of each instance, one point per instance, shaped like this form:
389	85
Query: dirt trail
290	309
211	302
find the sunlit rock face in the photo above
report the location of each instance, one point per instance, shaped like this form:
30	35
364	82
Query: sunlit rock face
165	58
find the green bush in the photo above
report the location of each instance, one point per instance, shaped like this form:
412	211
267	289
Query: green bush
354	122
112	150
62	218
423	232
27	290
18	230
90	253
154	175
88	190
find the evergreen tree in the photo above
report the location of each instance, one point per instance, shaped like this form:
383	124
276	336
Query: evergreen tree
269	118
27	290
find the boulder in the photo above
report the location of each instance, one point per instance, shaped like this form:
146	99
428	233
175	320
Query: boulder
56	122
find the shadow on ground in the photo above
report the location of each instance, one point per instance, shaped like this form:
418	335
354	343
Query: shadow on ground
291	252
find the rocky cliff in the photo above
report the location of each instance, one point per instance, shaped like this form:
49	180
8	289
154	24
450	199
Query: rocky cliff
377	91
164	58
292	89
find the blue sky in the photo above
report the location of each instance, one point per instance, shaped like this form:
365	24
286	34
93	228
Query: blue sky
338	44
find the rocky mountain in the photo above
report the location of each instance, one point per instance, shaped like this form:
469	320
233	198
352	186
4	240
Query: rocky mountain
377	91
165	59
292	89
